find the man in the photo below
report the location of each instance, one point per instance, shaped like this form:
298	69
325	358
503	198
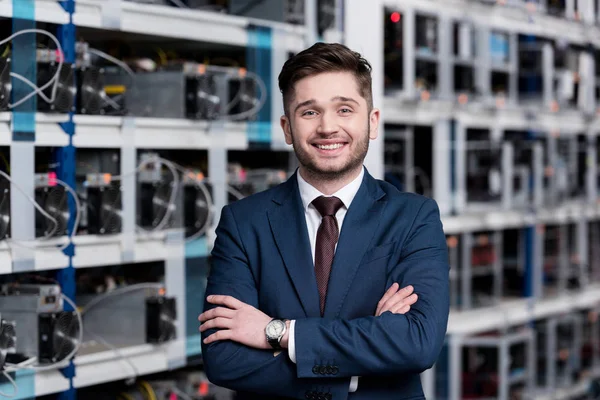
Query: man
310	294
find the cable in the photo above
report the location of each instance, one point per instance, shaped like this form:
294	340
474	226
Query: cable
236	193
179	4
35	204
209	205
100	339
54	79
14	385
48	216
151	394
119	291
112	59
77	211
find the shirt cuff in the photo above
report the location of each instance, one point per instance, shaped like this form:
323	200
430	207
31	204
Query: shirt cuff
292	342
353	384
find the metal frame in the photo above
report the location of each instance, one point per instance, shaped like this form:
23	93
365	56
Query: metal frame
502	342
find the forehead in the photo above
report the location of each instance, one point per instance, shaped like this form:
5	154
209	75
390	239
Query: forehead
324	86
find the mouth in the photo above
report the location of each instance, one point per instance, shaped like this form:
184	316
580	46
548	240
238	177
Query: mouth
329	146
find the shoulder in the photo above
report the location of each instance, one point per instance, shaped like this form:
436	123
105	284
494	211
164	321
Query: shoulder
404	200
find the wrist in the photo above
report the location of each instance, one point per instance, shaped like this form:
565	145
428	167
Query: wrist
286	337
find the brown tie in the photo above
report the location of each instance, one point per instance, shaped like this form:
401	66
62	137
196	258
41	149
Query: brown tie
327	237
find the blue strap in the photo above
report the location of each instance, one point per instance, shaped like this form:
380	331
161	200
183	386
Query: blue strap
23	62
259	56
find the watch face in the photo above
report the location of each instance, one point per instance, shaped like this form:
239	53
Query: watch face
275	328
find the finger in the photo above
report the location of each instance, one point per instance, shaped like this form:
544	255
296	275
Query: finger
398	300
400	295
222	323
216	312
389	293
226	301
400	309
218	336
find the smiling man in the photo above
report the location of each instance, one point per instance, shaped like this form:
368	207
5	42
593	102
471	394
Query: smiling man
332	285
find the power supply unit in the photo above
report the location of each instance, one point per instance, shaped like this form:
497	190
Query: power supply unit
43	329
287	11
129	319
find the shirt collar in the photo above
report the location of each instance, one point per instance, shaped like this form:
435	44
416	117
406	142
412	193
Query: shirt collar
346	194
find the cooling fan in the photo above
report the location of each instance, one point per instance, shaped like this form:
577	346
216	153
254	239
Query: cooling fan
90	90
5	83
54	200
8	340
65	87
59	334
161	205
207	101
161	315
104	209
196	207
4	209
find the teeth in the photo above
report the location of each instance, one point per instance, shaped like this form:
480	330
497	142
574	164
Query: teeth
330	146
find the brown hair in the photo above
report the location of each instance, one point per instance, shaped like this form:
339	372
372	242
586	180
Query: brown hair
325	57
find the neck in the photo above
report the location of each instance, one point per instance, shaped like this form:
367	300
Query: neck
328	185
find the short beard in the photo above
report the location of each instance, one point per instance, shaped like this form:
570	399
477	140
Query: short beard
329	175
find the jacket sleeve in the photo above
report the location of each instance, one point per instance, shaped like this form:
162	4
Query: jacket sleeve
391	343
237	367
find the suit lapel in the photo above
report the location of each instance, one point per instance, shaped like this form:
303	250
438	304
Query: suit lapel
288	225
360	224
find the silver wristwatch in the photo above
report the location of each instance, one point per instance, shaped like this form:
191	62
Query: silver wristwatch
274	331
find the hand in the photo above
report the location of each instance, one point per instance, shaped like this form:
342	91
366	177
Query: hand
239	322
396	300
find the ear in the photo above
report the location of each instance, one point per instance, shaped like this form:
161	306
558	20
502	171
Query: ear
287	129
374	124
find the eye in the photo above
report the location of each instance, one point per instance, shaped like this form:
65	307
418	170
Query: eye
309	113
345	110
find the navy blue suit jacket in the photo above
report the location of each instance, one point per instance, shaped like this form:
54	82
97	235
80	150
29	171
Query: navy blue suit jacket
262	257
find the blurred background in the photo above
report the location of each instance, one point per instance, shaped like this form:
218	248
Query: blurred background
126	125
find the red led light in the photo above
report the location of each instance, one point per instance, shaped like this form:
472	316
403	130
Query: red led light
395	17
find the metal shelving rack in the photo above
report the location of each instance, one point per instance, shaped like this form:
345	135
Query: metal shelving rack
487	98
267	45
513	61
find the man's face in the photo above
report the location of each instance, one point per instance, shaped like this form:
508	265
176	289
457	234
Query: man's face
329	124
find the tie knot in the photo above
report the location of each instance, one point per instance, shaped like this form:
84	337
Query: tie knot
327	205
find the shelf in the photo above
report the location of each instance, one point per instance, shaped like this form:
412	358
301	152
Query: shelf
157	133
506	19
45	11
401	111
147	248
48	132
517	312
32	384
172	22
508	219
108	366
90	251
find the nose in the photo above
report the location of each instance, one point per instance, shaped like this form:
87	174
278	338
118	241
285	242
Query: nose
327	124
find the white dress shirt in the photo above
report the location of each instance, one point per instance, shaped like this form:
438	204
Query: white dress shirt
313	220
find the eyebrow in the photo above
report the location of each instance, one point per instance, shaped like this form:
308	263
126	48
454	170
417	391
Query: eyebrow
335	98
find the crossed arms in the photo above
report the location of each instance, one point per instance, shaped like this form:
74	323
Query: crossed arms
237	356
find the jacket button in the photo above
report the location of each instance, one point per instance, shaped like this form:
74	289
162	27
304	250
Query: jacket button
335	370
316	370
323	370
328	396
307	395
329	370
